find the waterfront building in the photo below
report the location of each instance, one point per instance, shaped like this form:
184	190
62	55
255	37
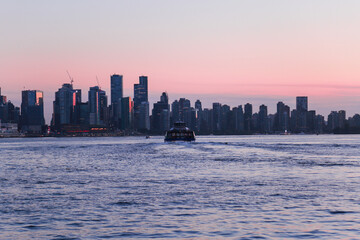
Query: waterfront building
248	118
198	110
319	124
116	82
282	117
64	106
175	112
238	119
301	113
127	106
216	118
140	97
263	119
32	112
225	119
160	118
184	105
311	121
8	112
144	119
189	115
342	119
97	106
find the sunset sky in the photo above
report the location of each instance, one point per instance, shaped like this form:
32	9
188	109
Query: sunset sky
228	51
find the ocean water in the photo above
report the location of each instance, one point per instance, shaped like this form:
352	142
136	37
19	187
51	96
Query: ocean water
220	187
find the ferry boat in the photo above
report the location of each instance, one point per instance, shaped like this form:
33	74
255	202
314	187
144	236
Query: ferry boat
179	133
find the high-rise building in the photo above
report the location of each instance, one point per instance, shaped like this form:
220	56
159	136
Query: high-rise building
342	119
160	118
216	118
248	118
333	121
116	82
239	119
140	97
141	91
127	106
198	111
97	106
8	112
66	99
301	114
302	104
263	119
2	99
144	119
116	88
32	112
282	117
311	120
175	112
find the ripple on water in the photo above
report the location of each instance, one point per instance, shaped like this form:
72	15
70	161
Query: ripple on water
243	187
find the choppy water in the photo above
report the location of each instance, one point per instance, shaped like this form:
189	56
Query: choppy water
252	187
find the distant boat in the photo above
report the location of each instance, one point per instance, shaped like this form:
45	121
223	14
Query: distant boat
147	136
179	133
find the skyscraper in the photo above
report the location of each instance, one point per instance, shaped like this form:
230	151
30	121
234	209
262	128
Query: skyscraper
216	118
282	117
141	91
127	106
97	106
302	104
66	99
144	119
301	113
248	118
140	97
32	111
239	119
116	88
263	119
116	82
160	119
8	112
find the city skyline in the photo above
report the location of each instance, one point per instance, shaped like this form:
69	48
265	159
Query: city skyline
127	115
203	48
207	101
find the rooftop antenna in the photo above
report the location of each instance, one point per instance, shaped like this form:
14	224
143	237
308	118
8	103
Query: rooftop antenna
71	79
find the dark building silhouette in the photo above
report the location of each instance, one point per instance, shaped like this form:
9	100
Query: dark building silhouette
301	114
216	118
97	107
175	112
263	119
282	117
248	118
8	112
160	118
116	82
32	112
126	113
198	111
65	106
141	115
238	115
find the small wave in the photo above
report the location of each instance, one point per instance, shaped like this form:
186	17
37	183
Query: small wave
33	226
124	203
339	212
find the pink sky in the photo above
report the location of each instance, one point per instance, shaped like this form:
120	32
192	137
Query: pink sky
246	50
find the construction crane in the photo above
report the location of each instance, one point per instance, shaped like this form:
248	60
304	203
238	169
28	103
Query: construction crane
71	79
97	80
